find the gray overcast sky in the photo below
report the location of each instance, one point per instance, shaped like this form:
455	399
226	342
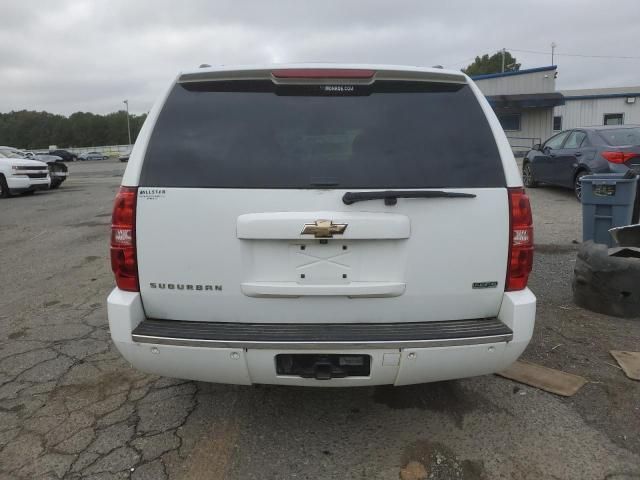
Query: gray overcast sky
69	55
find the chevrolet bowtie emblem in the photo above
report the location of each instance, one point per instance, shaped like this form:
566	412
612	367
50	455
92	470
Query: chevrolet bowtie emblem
324	229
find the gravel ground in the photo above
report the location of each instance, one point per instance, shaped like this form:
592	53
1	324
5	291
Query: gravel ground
71	407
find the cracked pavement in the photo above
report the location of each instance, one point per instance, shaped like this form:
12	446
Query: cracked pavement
71	407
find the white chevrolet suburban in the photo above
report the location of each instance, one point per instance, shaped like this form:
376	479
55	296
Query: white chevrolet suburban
321	225
20	175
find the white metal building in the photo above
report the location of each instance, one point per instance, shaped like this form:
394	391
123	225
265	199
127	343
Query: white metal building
598	106
524	102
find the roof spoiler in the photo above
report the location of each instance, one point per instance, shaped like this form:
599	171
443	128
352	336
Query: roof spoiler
318	75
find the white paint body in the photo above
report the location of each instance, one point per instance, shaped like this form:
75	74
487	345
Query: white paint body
246	366
17	180
410	262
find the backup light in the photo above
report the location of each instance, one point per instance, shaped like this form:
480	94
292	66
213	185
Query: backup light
520	260
124	262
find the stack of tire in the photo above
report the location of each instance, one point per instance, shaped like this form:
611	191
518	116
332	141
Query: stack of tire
607	284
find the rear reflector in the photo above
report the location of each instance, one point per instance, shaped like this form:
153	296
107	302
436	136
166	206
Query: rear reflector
520	241
124	261
322	73
618	157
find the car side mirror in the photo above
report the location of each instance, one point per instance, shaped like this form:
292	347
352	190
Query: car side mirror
537	147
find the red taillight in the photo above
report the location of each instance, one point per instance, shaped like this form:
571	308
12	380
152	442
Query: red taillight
520	240
618	157
322	73
124	262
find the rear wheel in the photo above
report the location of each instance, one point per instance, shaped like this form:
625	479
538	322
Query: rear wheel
4	188
577	184
527	176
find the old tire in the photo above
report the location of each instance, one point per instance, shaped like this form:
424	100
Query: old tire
4	188
527	176
604	284
577	184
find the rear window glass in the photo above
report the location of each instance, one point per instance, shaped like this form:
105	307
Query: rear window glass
618	137
255	134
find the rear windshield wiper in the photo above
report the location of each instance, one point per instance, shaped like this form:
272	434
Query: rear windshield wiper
391	196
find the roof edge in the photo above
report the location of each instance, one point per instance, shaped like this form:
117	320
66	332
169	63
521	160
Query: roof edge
519	72
602	95
527	100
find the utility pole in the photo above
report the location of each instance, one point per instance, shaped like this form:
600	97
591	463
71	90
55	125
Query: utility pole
126	102
503	52
553	49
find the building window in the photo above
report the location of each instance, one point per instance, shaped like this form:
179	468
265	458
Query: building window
510	121
557	122
613	119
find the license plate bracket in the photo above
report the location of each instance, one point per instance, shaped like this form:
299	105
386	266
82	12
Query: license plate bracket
322	366
317	263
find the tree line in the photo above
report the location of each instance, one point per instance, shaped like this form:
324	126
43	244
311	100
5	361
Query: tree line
492	64
37	130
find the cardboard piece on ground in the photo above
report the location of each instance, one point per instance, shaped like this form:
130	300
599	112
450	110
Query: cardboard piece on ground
629	362
548	379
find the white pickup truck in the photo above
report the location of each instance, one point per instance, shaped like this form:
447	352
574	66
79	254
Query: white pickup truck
58	171
321	225
20	175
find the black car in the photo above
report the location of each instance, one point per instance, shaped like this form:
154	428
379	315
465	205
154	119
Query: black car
566	157
65	155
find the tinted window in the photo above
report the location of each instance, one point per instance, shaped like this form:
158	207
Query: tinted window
556	142
575	139
621	136
613	119
254	134
510	121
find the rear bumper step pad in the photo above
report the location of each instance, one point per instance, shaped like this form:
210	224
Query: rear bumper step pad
322	335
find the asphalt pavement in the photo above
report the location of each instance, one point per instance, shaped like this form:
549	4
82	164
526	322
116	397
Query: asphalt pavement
71	407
